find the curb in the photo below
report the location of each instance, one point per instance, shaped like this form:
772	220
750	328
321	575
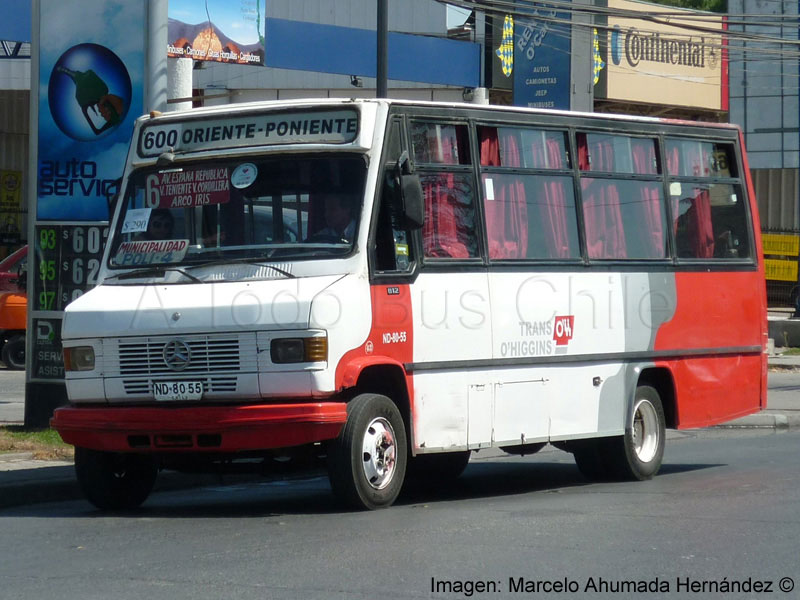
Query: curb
763	420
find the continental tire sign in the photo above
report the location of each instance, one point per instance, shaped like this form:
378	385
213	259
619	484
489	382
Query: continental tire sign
653	47
663	64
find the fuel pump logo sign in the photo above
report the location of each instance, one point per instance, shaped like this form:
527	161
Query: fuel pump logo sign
89	92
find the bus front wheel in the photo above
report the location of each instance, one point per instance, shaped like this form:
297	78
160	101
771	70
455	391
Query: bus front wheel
113	481
367	461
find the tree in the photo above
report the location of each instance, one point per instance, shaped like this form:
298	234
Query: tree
717	6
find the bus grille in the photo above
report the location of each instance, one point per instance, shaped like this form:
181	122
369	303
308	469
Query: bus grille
145	356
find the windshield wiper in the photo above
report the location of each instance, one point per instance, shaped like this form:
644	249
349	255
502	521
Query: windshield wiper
247	260
154	272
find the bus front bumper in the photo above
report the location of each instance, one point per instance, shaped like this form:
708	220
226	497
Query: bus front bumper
199	429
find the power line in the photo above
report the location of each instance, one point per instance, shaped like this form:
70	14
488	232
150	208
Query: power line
679	20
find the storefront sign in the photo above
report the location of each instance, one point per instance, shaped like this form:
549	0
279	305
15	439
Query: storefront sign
663	64
542	59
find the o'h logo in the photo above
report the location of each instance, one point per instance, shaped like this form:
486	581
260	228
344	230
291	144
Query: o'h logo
89	92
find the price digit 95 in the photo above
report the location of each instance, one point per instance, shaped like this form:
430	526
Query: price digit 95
47	270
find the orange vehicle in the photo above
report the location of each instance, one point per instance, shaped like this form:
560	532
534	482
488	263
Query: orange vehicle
13	319
13	308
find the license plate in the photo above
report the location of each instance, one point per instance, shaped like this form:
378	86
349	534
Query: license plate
178	390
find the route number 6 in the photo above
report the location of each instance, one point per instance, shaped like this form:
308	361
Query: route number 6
152	196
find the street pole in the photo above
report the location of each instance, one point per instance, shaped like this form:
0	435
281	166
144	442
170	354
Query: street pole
382	89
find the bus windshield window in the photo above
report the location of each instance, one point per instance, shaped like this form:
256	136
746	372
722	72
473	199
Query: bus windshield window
290	207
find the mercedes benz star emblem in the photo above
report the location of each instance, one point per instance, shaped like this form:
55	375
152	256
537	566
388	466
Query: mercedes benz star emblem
177	355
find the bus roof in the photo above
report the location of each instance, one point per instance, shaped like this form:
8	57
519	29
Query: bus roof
308	103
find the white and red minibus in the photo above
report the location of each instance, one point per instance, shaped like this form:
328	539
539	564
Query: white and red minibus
392	285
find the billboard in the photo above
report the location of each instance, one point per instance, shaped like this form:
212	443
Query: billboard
91	65
542	58
229	31
663	64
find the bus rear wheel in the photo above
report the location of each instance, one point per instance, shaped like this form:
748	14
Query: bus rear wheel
593	459
113	481
367	461
638	454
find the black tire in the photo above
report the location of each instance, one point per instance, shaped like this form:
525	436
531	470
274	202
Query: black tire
13	353
367	462
638	454
592	459
443	467
113	481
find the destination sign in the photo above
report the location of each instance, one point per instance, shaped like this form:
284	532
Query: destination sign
328	127
187	188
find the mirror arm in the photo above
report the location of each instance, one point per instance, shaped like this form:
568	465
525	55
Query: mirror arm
404	166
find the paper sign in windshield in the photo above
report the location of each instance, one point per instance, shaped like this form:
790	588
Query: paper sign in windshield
187	188
154	252
136	220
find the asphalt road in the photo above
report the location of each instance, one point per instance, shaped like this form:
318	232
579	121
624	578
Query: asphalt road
724	511
12	395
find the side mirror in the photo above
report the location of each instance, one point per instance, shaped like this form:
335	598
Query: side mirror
411	199
22	277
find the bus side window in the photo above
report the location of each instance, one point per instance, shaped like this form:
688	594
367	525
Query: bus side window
529	215
449	230
623	217
441	154
710	218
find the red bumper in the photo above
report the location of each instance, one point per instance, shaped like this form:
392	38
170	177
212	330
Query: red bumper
199	429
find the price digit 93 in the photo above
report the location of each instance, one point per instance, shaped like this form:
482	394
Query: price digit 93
47	239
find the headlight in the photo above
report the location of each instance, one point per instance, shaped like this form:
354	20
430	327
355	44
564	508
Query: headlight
296	350
79	358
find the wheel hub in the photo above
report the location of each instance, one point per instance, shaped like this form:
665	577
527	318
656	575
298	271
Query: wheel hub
645	431
379	453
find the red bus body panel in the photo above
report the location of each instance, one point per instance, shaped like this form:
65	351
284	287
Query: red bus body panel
713	312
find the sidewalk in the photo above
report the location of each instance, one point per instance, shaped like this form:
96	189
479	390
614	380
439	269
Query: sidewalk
24	480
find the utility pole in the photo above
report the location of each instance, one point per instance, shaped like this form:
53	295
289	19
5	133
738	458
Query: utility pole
382	89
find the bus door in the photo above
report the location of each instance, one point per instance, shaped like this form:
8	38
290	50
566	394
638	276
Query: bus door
450	297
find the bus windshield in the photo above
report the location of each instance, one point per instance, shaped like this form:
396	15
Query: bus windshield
289	208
